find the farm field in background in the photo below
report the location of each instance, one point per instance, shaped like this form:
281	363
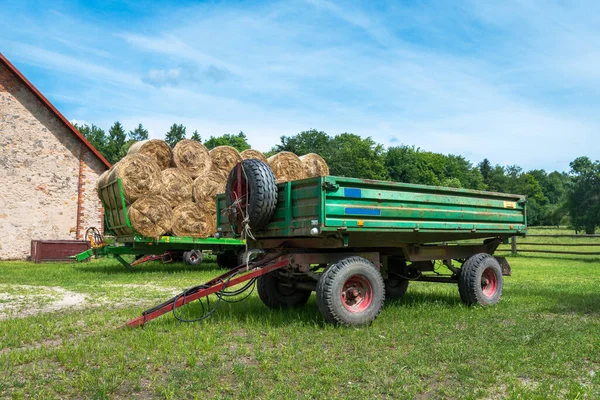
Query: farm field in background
62	335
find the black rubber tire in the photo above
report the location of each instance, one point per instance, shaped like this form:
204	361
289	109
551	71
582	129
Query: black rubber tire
193	257
471	277
228	260
263	192
395	288
276	296
331	283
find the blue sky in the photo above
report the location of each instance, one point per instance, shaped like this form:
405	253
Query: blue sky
515	81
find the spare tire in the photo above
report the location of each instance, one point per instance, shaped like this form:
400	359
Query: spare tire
252	190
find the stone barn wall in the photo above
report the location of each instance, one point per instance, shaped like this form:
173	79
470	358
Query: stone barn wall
40	165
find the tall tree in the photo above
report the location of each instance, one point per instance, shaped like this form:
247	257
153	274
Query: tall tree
584	194
175	134
354	156
311	141
95	135
239	141
485	167
196	136
116	143
138	134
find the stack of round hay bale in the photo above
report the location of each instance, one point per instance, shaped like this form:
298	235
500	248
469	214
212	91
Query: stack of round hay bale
172	191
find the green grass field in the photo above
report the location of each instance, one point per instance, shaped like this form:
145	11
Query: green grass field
62	336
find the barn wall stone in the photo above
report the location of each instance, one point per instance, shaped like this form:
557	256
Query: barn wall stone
39	173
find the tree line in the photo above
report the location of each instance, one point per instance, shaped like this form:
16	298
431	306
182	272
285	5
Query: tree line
554	198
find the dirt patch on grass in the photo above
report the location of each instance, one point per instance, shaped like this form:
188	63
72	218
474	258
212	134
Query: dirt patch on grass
36	300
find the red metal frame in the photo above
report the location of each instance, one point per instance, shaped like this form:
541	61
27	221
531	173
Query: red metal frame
215	285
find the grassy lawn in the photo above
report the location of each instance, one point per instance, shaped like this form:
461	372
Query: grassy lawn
542	340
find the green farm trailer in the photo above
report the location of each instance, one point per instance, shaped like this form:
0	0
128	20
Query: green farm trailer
126	241
356	242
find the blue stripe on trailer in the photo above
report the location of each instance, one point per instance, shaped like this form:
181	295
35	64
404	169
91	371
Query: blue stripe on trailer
351	192
362	211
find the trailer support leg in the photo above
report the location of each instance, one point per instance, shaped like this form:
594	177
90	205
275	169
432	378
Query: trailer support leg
125	263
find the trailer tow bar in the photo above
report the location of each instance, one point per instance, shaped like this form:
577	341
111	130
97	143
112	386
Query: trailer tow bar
253	270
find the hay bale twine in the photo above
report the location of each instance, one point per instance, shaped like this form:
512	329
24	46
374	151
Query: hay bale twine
151	216
176	186
314	165
158	150
192	219
192	157
224	158
255	154
286	166
207	187
140	176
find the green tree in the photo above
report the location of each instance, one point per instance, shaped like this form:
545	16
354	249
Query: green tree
485	168
584	194
196	136
311	141
95	135
239	141
138	134
116	142
175	134
356	157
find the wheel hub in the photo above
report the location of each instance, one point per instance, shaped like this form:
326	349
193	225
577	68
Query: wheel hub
356	294
489	282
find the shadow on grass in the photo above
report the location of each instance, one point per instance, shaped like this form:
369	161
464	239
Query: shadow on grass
153	266
556	257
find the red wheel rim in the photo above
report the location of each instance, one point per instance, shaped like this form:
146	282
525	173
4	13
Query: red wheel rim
357	294
240	191
489	282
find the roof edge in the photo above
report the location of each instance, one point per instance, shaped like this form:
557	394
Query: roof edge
47	103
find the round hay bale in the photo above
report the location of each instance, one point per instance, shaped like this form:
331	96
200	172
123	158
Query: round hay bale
286	166
224	158
151	216
158	150
251	153
314	165
192	219
192	157
176	186
207	187
140	176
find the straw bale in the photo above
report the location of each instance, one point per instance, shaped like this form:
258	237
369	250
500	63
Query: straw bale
192	157
207	187
140	176
255	154
192	219
176	186
314	165
286	166
224	158
158	150
151	216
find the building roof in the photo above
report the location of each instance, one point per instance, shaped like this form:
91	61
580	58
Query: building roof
47	103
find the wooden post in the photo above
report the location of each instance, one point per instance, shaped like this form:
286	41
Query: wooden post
513	245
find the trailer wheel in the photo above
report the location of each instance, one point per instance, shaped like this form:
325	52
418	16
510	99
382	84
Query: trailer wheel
278	296
193	257
350	292
395	288
480	280
256	193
